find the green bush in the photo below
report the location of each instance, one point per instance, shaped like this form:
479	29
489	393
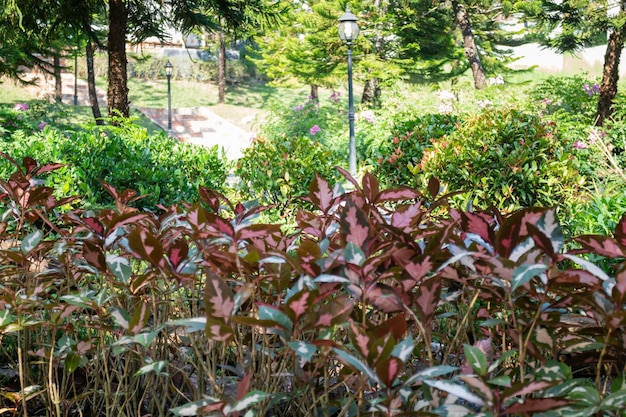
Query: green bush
165	170
278	170
397	158
504	157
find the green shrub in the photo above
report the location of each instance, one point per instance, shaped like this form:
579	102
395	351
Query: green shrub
166	171
397	158
278	170
504	157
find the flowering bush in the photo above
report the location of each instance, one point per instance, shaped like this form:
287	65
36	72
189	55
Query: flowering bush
504	157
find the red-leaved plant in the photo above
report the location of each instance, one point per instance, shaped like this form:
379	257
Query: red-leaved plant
379	302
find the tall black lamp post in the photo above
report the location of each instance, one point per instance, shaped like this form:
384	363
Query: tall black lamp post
168	73
348	32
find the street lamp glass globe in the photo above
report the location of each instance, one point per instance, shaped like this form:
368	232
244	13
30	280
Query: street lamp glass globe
168	68
348	28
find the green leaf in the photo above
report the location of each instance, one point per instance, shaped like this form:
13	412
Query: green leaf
145	339
269	313
457	390
353	254
120	267
72	361
194	324
404	349
31	241
429	373
303	349
524	273
192	408
6	318
156	367
250	399
120	317
476	359
355	363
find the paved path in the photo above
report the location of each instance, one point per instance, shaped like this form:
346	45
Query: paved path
198	125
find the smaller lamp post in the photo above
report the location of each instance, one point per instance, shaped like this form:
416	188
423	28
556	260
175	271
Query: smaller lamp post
168	74
348	32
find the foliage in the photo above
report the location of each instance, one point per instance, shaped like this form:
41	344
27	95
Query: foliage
162	170
398	158
504	157
278	170
374	305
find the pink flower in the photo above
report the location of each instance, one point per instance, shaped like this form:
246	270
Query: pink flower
580	144
315	129
21	107
43	125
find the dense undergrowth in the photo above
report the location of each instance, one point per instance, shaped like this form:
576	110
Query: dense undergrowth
380	302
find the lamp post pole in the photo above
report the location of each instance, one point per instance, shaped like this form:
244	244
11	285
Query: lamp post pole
352	149
348	32
168	73
76	71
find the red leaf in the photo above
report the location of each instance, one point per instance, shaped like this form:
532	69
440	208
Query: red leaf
30	164
298	304
427	298
433	187
360	339
47	168
218	298
321	194
95	225
513	229
177	252
416	271
620	231
211	197
244	386
94	256
354	225
257	231
388	369
532	405
124	219
479	224
600	245
216	330
407	216
384	298
541	240
139	319
371	188
146	247
396	325
397	194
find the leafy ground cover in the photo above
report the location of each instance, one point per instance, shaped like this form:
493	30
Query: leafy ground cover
378	303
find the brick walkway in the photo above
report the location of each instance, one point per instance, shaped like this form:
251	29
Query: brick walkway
198	125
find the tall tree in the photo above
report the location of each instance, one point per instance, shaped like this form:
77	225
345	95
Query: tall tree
569	25
469	45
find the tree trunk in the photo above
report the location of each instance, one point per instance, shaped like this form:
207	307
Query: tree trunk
58	81
610	74
471	52
91	85
221	69
371	92
117	93
314	93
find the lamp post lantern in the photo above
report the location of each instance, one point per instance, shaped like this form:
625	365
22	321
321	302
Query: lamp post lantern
348	32
168	74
